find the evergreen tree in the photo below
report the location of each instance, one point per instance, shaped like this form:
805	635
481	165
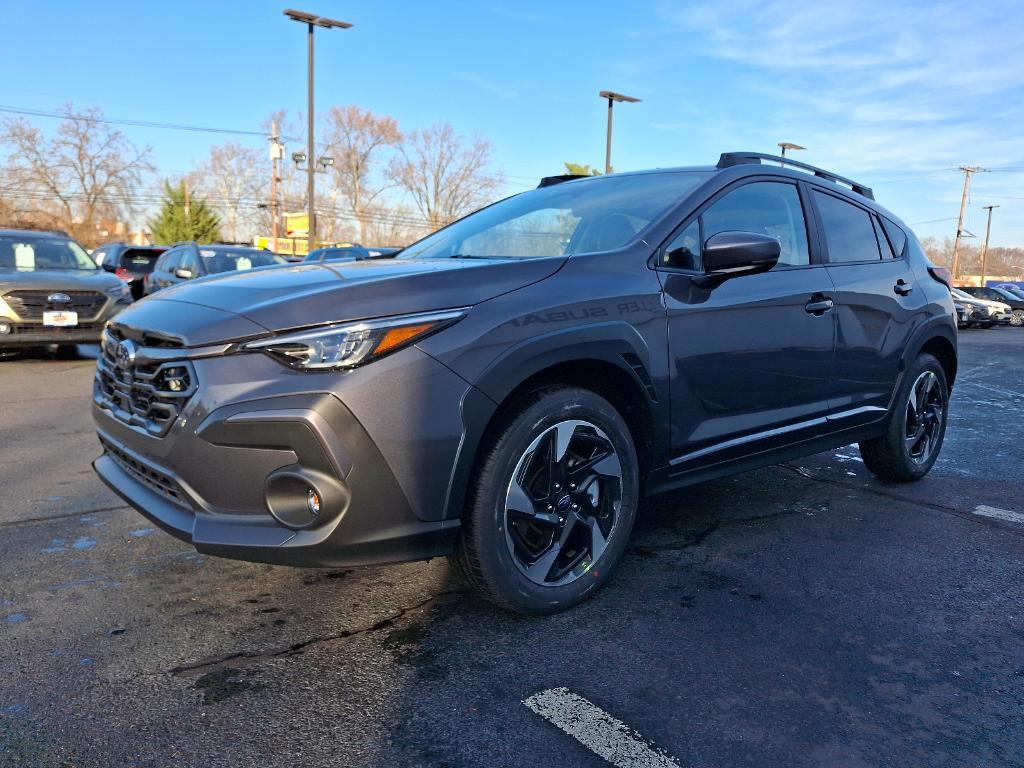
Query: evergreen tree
183	217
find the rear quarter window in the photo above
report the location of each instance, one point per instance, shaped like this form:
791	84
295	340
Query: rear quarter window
897	237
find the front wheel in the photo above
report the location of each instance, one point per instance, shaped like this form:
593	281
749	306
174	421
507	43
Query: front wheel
552	504
911	444
1017	318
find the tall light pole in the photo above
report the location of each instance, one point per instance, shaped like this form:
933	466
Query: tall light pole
788	145
954	268
984	247
612	98
312	20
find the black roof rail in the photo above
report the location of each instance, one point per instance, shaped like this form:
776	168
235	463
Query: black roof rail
729	159
549	181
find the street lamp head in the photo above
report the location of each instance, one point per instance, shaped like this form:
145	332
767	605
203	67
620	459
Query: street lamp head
298	157
790	145
326	161
307	18
312	18
618	97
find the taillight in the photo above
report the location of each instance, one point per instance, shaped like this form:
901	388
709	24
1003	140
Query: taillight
942	274
122	273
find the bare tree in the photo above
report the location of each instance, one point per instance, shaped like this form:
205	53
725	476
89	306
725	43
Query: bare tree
357	140
88	170
235	180
445	177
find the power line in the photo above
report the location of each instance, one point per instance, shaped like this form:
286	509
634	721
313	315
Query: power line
127	122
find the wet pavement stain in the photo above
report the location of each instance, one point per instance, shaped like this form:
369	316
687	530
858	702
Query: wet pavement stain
15	618
84	543
224	683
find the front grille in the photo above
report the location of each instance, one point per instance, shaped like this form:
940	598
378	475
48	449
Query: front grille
54	331
149	476
30	305
148	396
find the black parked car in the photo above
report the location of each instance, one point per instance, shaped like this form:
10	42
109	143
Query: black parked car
185	261
1015	302
506	390
349	253
131	263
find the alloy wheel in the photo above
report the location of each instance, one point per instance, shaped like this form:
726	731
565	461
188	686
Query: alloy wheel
1017	318
563	503
926	411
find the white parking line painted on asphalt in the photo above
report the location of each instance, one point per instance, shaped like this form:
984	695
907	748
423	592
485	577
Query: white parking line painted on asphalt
999	514
598	731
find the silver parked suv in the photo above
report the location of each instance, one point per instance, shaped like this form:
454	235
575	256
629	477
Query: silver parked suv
52	292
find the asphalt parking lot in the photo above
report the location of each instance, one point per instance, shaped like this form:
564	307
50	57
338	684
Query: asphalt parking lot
801	615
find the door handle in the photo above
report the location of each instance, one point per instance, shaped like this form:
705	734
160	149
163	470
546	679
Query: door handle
818	306
902	287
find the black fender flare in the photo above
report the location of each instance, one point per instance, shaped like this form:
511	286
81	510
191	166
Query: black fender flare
615	343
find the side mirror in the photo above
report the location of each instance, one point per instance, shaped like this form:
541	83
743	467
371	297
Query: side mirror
732	254
184	274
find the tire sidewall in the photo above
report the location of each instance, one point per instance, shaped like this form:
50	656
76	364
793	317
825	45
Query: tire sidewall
923	363
543	413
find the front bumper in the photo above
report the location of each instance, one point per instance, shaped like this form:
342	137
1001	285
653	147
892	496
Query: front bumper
33	333
377	444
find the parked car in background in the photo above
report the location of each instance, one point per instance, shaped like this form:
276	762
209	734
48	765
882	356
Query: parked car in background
983	312
349	253
1015	303
131	263
1016	290
52	292
186	261
505	390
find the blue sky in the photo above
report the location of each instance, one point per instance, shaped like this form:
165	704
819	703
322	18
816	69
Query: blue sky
895	95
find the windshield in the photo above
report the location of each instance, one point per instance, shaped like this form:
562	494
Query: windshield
25	253
219	260
584	216
961	295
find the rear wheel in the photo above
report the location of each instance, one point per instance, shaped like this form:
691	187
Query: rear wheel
1017	318
911	444
552	504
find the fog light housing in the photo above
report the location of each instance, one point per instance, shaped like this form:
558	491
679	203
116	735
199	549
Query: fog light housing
301	498
5	328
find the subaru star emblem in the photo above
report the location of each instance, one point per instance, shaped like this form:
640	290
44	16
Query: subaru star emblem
58	298
125	354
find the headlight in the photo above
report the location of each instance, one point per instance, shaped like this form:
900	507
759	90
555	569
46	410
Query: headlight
350	344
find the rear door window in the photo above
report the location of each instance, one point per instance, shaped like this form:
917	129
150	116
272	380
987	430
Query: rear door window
138	260
849	233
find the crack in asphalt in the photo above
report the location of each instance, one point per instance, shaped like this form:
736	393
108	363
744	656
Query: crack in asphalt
61	516
696	538
244	658
887	494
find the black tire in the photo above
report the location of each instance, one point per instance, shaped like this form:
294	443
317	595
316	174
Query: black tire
891	456
986	326
488	551
9	354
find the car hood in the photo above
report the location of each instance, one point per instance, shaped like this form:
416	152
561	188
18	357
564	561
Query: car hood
56	280
301	295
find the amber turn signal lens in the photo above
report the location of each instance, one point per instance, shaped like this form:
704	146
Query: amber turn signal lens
396	337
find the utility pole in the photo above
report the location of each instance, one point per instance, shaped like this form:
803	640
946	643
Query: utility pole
984	247
188	212
955	266
275	155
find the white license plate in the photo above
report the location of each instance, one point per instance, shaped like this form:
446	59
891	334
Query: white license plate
60	319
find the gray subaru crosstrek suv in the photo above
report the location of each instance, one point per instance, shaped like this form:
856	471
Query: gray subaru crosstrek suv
507	389
52	292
